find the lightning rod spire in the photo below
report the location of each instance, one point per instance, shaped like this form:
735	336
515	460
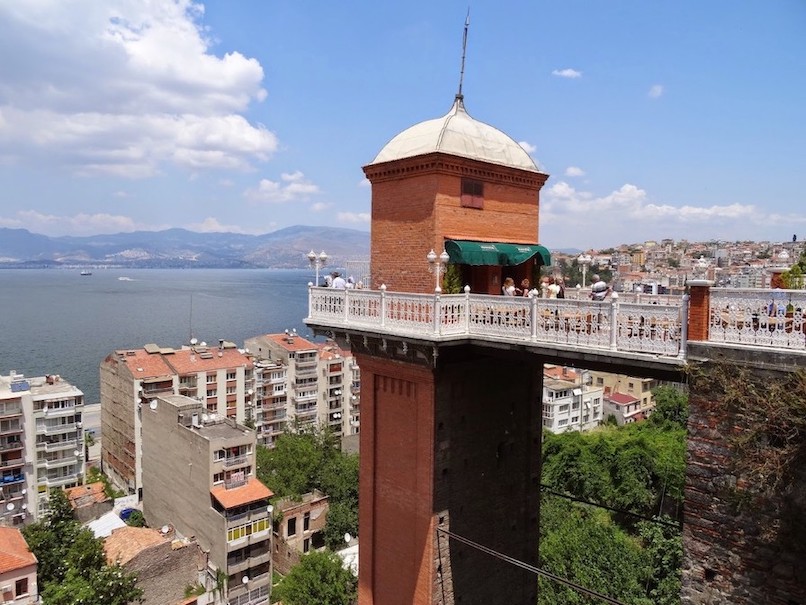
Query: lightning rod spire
459	95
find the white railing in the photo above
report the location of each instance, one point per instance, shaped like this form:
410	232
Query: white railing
658	329
747	316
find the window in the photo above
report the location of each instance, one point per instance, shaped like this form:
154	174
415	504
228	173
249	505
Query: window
292	527
21	587
306	545
564	408
231	375
218	478
562	422
218	455
306	522
472	194
574	419
211	378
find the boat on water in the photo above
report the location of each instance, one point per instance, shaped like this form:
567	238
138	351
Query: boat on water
86	272
124	278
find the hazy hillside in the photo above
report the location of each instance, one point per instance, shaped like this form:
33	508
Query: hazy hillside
285	248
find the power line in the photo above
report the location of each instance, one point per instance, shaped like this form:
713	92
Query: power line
530	568
547	488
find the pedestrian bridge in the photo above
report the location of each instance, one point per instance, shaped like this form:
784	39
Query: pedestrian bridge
629	327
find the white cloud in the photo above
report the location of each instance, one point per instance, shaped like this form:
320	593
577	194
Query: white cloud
354	217
574	171
213	225
77	224
364	183
320	206
527	147
124	87
569	217
292	187
655	91
567	73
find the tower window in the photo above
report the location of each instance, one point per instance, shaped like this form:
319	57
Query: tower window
472	194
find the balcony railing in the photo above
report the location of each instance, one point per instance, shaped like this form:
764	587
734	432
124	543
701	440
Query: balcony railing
631	323
231	461
10	411
6	446
53	429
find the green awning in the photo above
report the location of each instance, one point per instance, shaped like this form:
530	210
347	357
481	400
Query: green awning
468	252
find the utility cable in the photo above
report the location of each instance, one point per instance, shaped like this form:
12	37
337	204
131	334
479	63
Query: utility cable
530	568
548	489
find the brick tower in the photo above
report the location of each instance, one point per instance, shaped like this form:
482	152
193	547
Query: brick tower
452	179
450	435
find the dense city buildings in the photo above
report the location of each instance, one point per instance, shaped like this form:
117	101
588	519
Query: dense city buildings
570	401
220	378
303	384
198	472
41	443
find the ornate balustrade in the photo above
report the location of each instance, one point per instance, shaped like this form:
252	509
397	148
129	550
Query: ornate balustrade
657	329
769	318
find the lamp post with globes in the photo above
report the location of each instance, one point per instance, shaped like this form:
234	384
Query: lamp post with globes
437	266
317	261
584	260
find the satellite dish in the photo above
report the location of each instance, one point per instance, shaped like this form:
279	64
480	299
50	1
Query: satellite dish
153	404
193	341
24	506
205	417
76	453
165	529
10	506
245	579
24	491
347	537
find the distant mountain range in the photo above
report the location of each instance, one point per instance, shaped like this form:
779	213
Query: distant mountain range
179	248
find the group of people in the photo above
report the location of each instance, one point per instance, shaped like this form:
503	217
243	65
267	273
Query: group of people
552	287
335	280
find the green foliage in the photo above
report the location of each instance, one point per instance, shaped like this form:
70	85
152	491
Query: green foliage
452	280
583	545
194	590
671	406
634	467
72	567
319	578
94	475
136	519
306	460
663	549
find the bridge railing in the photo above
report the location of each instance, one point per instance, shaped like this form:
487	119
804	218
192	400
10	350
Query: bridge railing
653	328
747	316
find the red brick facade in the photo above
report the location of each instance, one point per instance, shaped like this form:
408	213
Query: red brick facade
699	310
416	206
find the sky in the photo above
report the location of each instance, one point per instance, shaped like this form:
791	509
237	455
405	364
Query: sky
654	120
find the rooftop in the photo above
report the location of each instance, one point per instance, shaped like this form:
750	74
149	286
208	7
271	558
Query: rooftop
291	343
125	543
252	491
202	359
85	495
14	553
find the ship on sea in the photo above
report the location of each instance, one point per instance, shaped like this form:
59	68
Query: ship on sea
86	272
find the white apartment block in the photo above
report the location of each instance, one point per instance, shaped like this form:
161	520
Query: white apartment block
570	402
220	378
41	443
305	384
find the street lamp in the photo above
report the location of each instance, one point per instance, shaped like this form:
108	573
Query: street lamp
437	265
584	260
317	261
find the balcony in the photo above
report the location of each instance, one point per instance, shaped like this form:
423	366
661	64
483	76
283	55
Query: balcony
58	481
10	411
59	462
55	429
11	479
9	463
231	461
10	428
9	445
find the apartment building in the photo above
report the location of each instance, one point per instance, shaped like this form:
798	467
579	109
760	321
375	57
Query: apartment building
41	443
18	568
220	378
570	402
199	477
298	528
639	388
303	383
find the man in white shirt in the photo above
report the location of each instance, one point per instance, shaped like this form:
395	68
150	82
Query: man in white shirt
599	289
338	281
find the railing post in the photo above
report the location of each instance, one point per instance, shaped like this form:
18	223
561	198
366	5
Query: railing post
310	299
467	309
533	314
346	307
437	310
614	321
383	305
683	327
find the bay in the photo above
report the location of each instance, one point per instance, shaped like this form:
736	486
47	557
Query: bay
57	321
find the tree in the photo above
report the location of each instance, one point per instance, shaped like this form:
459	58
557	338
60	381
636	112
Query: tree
320	577
136	519
72	568
671	406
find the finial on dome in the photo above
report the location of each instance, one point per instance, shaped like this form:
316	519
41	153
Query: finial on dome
459	96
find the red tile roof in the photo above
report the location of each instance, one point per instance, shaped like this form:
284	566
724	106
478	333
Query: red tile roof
84	495
253	491
188	361
126	543
146	365
622	399
14	553
298	343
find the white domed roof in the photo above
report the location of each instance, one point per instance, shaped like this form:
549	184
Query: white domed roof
456	133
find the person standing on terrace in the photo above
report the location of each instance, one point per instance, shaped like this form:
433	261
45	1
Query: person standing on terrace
599	289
